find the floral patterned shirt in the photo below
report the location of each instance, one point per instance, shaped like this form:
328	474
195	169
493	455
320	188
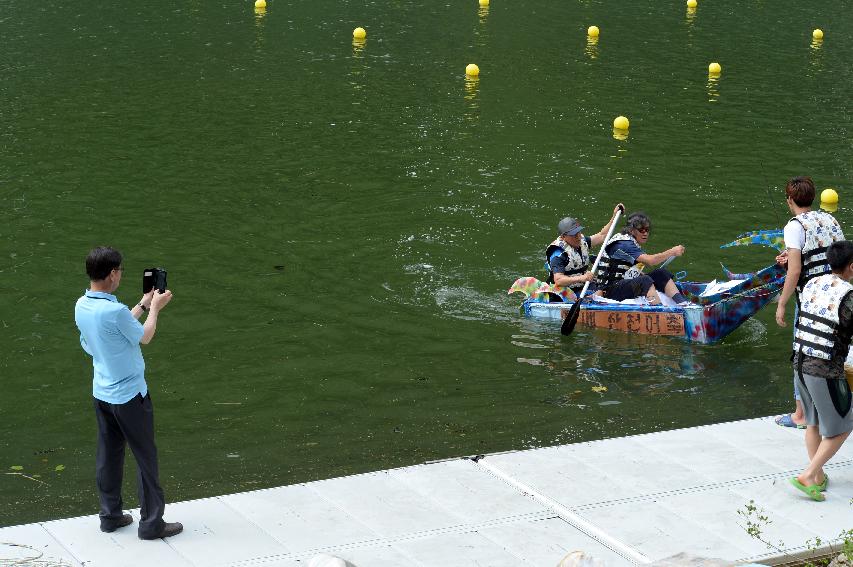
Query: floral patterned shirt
834	367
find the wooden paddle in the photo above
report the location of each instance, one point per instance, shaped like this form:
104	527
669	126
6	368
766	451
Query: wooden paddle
572	318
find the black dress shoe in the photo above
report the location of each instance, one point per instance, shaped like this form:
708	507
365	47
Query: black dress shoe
109	526
169	529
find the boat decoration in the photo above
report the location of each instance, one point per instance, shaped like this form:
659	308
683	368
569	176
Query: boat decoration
718	307
532	287
771	238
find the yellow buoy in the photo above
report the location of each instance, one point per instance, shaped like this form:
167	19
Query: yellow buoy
714	69
260	3
472	70
829	200
484	2
692	3
621	123
817	34
359	33
592	31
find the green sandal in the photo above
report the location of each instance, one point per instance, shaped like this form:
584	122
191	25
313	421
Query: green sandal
825	483
812	491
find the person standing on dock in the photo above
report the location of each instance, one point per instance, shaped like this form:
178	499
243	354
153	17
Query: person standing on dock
111	334
620	276
568	256
821	342
807	236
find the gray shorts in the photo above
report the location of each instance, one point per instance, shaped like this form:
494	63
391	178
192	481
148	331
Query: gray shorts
827	404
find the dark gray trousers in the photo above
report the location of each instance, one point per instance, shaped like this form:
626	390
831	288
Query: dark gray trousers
131	424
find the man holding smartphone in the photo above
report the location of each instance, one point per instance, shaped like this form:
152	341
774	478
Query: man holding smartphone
111	334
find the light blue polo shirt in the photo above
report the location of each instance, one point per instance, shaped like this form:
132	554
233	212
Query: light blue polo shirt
110	334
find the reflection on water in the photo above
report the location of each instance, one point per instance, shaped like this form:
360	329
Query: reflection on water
608	378
591	49
629	363
472	104
481	31
816	55
357	70
260	14
621	135
657	356
713	87
483	12
605	357
691	15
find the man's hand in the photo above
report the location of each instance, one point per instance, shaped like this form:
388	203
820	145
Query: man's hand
619	207
587	277
780	315
146	299
677	250
160	300
782	259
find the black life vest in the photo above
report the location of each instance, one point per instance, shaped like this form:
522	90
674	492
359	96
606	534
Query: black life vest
577	261
611	270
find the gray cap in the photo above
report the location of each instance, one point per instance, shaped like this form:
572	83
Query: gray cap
569	226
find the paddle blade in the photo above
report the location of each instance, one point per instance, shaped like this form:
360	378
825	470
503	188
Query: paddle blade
571	319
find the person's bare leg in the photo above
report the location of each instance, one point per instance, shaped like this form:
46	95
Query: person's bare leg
799	416
826	450
813	440
652	296
670	289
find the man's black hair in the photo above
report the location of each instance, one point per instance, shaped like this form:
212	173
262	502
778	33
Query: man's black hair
637	220
101	261
840	255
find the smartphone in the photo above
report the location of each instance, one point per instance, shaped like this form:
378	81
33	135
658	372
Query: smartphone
153	278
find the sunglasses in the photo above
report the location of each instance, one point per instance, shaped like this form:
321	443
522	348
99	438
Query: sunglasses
644	230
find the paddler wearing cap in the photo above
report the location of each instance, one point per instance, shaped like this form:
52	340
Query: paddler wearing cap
568	257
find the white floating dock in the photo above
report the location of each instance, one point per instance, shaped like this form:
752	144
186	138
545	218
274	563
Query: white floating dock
628	501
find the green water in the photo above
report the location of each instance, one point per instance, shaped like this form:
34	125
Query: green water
340	223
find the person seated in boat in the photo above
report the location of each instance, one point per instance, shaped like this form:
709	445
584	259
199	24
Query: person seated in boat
620	270
568	256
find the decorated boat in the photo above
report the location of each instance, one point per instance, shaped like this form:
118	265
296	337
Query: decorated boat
718	308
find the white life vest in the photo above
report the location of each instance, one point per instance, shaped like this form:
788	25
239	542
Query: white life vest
817	323
821	230
577	260
611	270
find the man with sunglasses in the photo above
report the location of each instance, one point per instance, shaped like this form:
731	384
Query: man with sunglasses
620	276
111	334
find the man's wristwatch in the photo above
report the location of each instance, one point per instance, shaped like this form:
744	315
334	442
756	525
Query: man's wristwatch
142	306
